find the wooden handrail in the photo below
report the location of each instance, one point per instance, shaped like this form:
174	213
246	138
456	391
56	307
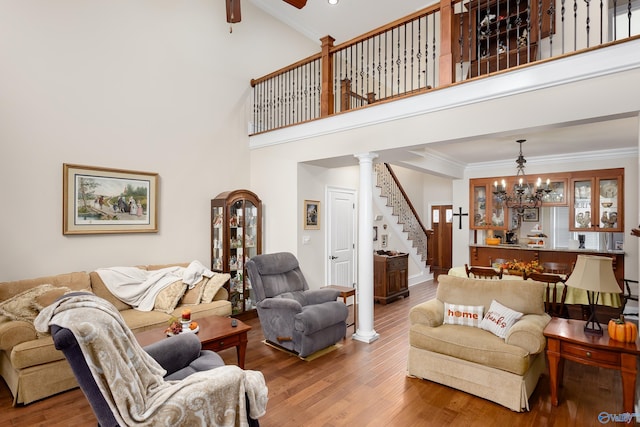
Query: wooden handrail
283	70
397	23
404	194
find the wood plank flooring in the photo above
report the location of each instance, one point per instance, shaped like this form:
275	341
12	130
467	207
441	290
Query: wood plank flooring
365	385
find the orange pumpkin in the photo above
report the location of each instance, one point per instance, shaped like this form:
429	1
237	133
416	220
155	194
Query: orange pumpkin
620	330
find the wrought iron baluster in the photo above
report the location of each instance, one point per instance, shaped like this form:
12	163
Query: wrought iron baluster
412	56
433	50
385	64
629	17
575	24
367	90
552	28
379	67
601	9
562	12
588	20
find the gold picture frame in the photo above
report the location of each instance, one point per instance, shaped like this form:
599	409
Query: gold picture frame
97	200
311	215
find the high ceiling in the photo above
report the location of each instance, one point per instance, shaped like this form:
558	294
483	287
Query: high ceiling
343	21
351	18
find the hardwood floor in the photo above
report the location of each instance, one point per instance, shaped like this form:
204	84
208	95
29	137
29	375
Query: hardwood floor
365	385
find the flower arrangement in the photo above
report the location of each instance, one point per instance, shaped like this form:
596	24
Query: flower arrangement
521	267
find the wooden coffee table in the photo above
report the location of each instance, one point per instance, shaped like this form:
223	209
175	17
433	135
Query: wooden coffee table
216	333
566	340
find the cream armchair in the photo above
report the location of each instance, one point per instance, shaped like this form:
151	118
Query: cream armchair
475	360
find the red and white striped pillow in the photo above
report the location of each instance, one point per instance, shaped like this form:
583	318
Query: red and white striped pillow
499	319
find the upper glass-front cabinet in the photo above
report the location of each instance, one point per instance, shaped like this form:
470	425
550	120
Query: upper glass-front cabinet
597	202
236	219
488	212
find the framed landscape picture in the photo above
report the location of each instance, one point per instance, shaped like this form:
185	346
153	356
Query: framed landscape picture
98	200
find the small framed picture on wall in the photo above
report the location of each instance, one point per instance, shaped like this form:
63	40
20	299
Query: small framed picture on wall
311	214
531	215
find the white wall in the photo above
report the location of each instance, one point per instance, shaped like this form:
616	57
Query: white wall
437	191
147	85
313	182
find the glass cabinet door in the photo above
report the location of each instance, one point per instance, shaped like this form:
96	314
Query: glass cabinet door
217	249
487	210
479	203
250	247
608	204
498	213
581	211
236	257
557	195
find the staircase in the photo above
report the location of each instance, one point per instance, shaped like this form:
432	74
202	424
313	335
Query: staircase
406	215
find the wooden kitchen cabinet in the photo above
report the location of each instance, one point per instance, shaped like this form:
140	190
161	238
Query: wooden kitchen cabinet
487	212
390	277
597	201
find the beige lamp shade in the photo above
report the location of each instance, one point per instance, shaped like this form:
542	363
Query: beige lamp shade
594	273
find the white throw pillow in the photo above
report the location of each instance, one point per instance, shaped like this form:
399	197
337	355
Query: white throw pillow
499	319
458	314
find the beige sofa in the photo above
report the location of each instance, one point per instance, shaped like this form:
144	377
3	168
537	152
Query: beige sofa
475	360
31	366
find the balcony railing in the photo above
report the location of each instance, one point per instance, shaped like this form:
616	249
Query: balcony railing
450	42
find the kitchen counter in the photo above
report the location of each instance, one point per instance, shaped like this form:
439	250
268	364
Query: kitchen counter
527	248
483	255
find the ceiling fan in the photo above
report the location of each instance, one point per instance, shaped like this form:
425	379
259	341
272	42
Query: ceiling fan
233	8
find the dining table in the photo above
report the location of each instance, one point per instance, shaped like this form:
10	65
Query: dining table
574	295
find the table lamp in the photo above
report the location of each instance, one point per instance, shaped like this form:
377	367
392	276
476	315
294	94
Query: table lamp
593	274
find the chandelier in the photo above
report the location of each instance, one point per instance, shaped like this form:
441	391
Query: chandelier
523	196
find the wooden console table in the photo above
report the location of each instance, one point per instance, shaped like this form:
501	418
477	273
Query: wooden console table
566	340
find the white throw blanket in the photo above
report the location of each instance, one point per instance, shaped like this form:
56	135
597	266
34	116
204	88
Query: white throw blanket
132	382
139	288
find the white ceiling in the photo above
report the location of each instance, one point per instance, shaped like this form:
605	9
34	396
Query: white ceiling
343	21
351	18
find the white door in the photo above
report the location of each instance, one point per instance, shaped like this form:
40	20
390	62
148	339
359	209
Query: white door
341	221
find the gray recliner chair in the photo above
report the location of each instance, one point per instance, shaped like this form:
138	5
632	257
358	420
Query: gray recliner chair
293	316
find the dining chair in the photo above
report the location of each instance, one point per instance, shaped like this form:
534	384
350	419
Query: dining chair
556	267
483	272
628	296
553	305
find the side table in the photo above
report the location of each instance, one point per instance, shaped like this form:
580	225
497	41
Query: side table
346	292
566	340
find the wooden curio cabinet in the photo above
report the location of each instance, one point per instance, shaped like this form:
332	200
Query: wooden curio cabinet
597	201
236	237
487	212
494	35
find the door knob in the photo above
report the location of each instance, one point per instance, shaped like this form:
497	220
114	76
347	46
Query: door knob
333	257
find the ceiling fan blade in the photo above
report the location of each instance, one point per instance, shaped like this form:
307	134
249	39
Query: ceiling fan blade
233	11
296	3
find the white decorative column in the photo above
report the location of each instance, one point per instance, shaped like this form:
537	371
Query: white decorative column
365	332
